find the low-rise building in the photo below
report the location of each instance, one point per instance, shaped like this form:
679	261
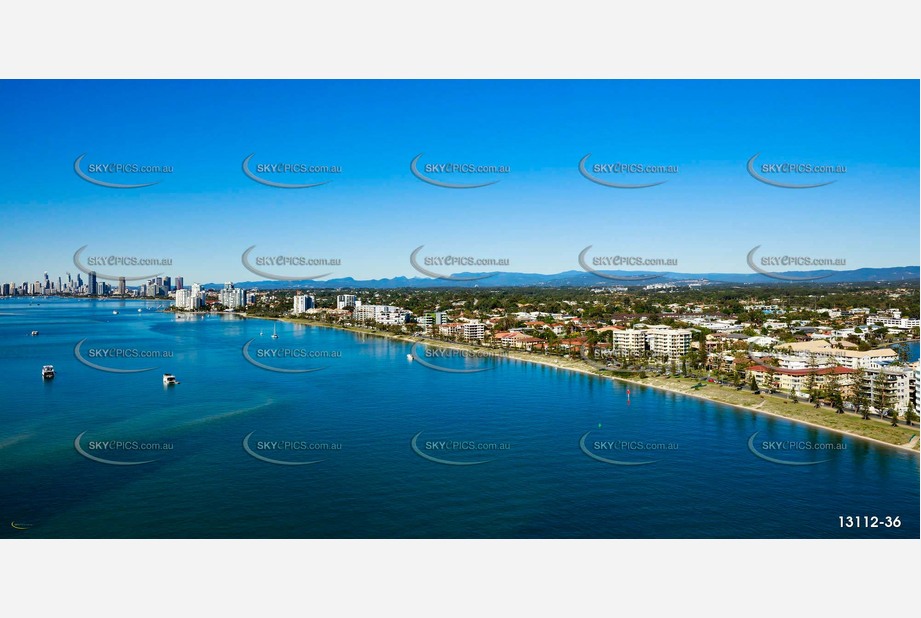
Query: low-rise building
798	379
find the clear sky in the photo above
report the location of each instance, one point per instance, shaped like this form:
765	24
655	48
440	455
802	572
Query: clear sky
539	216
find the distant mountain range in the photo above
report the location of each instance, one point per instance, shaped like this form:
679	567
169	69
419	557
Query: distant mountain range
578	278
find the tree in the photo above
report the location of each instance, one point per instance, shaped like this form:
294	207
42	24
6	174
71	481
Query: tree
833	393
903	352
811	381
879	394
793	394
910	413
858	395
753	384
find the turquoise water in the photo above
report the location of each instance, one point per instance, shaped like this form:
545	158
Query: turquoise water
370	400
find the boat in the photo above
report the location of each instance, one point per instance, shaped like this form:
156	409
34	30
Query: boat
115	313
169	379
274	331
409	357
34	333
48	372
139	310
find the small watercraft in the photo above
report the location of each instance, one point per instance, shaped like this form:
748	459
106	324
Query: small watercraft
48	372
169	379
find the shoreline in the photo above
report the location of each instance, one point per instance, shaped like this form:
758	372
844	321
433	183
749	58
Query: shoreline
578	366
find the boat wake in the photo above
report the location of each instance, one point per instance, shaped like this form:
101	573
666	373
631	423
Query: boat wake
15	440
225	415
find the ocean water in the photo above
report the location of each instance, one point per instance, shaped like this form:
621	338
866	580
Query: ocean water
697	478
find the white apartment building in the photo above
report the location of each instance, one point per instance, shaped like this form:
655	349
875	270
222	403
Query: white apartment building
629	342
197	298
190	299
893	322
346	300
303	302
183	298
660	341
668	342
231	297
382	314
899	383
474	331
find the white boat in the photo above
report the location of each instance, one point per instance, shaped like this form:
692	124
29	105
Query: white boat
48	372
169	379
139	310
34	333
409	357
274	331
115	313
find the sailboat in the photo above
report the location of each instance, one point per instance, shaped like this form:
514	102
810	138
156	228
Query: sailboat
274	332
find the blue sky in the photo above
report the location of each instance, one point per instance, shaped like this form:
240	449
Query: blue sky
373	214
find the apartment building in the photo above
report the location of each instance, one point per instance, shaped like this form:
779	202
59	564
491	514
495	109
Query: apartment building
798	379
387	315
303	302
825	351
672	343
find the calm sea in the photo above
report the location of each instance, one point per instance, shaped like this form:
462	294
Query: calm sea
517	426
